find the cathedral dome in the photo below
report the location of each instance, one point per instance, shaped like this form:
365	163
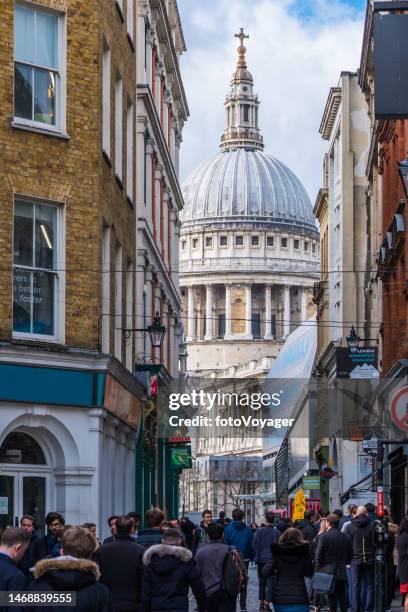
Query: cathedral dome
246	185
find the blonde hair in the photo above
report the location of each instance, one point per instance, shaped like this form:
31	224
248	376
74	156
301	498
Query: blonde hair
323	526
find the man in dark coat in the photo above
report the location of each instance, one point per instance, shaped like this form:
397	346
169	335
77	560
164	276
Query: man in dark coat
264	537
333	554
169	572
239	535
120	563
362	563
112	527
27	522
200	535
14	543
187	527
72	571
307	526
153	534
49	545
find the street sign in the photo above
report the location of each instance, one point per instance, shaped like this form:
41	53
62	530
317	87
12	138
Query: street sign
371	446
399	409
360	363
311	483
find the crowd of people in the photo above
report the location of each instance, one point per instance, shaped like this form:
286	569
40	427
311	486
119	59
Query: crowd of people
154	568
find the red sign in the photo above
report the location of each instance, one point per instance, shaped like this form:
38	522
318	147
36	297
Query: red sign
380	502
179	439
399	409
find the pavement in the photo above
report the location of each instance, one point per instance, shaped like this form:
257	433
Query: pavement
253	601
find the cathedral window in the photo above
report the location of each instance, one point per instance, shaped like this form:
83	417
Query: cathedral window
284	243
296	244
208	241
223	241
239	241
246	113
269	241
183	245
313	247
195	243
254	240
306	246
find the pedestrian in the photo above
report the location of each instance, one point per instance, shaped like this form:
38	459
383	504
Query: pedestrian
402	548
283	524
210	559
135	518
200	536
72	571
371	512
120	563
339	513
264	538
187	527
153	533
254	528
221	518
347	518
13	544
362	563
334	552
92	528
112	527
291	563
307	527
169	572
239	535
49	546
27	522
389	554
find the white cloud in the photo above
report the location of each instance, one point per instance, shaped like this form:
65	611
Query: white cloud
294	60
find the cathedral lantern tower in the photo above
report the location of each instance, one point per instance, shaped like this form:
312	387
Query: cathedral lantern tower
242	107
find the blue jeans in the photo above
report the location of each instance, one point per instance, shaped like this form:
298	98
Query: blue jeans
291	608
362	574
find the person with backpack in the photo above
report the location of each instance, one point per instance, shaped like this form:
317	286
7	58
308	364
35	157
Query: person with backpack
222	571
241	537
200	536
264	537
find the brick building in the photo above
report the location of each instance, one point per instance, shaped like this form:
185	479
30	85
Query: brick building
71	176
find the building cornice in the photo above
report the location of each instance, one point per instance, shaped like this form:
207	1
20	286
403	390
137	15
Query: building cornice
322	202
366	49
330	112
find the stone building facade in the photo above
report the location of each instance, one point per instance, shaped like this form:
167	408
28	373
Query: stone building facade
71	408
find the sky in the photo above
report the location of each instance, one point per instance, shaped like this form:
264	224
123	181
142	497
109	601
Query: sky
296	51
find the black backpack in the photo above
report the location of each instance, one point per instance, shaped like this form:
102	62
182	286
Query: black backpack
234	577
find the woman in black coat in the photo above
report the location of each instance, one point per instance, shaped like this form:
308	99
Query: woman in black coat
402	548
291	563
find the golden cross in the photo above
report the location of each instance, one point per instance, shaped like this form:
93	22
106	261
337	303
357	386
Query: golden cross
242	36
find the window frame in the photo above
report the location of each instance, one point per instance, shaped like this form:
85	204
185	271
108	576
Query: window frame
224	246
282	245
59	284
208	242
61	95
296	241
193	241
243	241
306	246
272	238
258	242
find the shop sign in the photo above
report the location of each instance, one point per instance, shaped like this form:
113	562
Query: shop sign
180	457
360	363
311	482
122	403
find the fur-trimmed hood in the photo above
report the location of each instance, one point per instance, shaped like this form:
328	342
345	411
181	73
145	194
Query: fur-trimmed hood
163	558
67	573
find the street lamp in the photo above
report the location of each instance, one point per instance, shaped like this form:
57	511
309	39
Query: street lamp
156	331
403	172
353	339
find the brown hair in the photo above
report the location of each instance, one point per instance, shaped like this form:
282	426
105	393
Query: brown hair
333	520
12	536
291	536
154	517
78	542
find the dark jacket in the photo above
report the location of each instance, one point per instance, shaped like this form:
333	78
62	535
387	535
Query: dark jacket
307	530
402	548
200	537
150	537
109	539
333	553
44	548
288	568
120	563
27	562
283	525
210	559
11	578
239	535
169	572
264	537
69	574
362	539
187	527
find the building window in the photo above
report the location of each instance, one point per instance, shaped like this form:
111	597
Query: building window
296	243
306	246
246	113
183	245
129	151
269	241
35	278
118	301
106	85
37	66
195	243
223	240
106	288
239	241
284	243
254	240
118	125
313	247
208	241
